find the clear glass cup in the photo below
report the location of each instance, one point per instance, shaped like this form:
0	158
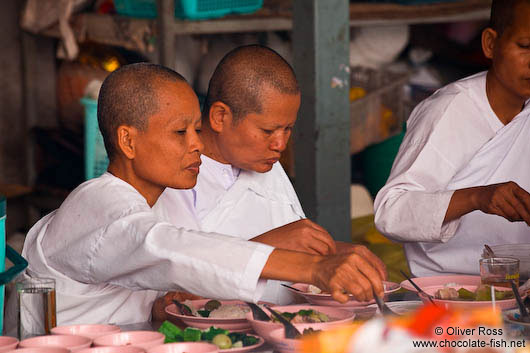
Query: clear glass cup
498	271
35	307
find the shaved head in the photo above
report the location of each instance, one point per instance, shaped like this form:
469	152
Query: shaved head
242	74
129	96
502	14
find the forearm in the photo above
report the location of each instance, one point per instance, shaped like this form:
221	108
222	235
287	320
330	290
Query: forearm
292	266
462	202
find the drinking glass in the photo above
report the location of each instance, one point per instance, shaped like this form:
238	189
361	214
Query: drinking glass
35	307
498	271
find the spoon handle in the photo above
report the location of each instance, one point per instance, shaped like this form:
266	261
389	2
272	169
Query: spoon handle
417	288
522	309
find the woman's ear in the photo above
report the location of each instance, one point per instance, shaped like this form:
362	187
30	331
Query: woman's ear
489	39
127	136
220	115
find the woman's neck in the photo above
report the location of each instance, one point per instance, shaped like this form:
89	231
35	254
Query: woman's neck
505	103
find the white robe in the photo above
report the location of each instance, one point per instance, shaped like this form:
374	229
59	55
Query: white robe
112	256
454	140
238	203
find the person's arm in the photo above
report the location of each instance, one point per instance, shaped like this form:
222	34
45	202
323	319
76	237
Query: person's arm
443	134
303	235
507	200
337	274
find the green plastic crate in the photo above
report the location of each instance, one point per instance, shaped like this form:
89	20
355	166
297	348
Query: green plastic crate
377	161
188	9
96	160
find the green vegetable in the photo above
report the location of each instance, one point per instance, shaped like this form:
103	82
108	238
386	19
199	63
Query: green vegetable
222	341
238	344
323	317
286	315
484	294
306	312
212	332
172	332
212	305
503	294
249	341
204	313
236	336
465	294
192	334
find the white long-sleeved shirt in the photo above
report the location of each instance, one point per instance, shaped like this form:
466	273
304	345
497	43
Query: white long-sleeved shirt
454	140
111	256
236	202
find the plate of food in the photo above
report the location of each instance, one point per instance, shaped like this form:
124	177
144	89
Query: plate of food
315	296
225	314
463	280
320	316
465	296
227	341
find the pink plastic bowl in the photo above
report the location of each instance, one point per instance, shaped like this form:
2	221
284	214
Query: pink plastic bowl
90	331
286	345
142	339
466	304
339	317
113	349
71	342
8	343
41	350
185	347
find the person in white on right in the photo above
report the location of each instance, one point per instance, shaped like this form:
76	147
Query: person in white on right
462	174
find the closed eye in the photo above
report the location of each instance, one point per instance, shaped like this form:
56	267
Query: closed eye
180	132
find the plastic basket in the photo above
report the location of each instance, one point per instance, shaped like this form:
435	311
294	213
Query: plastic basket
96	160
188	9
380	113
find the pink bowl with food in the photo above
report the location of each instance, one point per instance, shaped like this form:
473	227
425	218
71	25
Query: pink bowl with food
142	339
336	315
41	350
467	304
234	324
70	342
90	331
288	345
8	343
185	347
325	299
113	349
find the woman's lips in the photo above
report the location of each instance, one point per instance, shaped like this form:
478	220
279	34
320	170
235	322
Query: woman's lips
194	167
272	160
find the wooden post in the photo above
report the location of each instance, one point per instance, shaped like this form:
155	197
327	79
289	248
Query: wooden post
165	38
322	143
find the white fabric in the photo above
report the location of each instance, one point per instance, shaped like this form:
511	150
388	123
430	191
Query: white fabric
252	205
454	140
111	253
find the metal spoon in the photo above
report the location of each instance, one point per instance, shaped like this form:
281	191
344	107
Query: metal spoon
290	330
184	310
430	297
258	312
383	308
524	314
293	288
489	251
